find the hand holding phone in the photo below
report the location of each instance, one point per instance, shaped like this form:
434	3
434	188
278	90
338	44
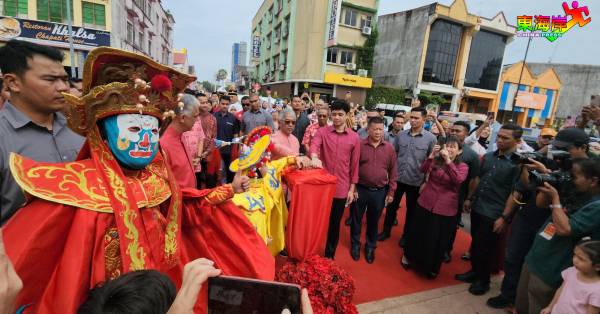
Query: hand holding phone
195	274
229	295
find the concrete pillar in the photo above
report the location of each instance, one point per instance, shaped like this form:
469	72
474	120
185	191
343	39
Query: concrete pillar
454	103
296	88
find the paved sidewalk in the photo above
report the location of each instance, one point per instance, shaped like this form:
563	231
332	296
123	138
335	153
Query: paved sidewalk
448	300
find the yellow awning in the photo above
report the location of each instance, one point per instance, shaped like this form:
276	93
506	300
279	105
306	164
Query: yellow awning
348	80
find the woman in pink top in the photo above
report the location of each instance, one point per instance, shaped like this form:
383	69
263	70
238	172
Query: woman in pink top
580	290
427	240
284	142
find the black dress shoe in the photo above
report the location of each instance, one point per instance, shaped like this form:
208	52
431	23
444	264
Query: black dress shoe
355	252
369	255
479	287
396	222
431	275
447	258
498	302
405	264
383	236
348	221
468	277
466	257
402	242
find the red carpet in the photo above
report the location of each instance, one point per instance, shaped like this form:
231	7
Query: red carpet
385	277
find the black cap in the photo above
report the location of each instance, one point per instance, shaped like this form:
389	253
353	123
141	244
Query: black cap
570	136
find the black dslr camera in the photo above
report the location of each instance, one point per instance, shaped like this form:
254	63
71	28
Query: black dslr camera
557	179
524	157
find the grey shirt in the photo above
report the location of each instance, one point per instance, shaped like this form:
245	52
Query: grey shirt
252	120
20	135
412	151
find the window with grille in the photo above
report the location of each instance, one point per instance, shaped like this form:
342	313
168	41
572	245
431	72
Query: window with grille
141	40
53	10
350	17
94	15
16	8
366	21
130	33
332	54
346	57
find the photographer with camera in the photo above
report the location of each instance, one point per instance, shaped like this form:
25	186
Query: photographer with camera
573	198
529	218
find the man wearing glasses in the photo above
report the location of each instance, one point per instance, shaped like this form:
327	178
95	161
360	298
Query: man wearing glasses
284	142
256	116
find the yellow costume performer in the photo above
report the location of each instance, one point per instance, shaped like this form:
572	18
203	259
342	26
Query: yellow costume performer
264	203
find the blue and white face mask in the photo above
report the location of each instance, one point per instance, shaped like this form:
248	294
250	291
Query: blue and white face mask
132	138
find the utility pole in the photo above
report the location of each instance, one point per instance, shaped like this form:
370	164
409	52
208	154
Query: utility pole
70	28
512	114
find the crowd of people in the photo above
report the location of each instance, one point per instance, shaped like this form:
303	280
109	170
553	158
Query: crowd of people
534	209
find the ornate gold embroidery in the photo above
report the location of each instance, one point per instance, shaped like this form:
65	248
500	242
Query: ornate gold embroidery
112	254
220	194
74	182
136	253
77	184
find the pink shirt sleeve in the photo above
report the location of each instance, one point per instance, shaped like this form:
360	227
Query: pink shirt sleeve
354	160
317	141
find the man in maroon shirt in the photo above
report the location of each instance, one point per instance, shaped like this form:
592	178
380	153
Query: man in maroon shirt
209	126
337	149
375	188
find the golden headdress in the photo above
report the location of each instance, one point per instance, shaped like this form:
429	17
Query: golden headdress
117	81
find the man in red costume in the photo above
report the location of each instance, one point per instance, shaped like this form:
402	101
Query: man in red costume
117	208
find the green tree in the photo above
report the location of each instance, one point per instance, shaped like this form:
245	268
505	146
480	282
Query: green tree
427	98
385	95
208	86
221	75
366	53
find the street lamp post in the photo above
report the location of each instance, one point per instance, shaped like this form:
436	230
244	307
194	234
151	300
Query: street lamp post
70	28
512	114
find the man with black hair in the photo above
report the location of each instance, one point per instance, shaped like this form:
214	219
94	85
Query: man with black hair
245	103
413	147
492	206
4	95
337	149
461	129
376	187
302	121
228	127
30	122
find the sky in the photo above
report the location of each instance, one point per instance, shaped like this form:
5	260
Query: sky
208	29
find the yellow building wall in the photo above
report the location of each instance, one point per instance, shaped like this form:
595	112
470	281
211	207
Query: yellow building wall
350	36
309	39
363	3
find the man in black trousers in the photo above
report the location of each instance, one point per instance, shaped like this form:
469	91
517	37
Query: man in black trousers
375	188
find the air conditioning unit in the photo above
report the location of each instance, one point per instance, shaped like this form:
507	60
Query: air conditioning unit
276	40
285	33
282	67
268	45
350	66
363	72
366	30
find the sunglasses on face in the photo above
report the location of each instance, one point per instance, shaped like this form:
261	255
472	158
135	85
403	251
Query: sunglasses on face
546	137
291	122
253	101
322	116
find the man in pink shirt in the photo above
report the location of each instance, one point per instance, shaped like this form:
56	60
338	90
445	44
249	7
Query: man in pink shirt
177	157
337	149
284	142
322	115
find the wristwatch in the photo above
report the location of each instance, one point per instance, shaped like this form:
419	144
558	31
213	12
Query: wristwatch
557	206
